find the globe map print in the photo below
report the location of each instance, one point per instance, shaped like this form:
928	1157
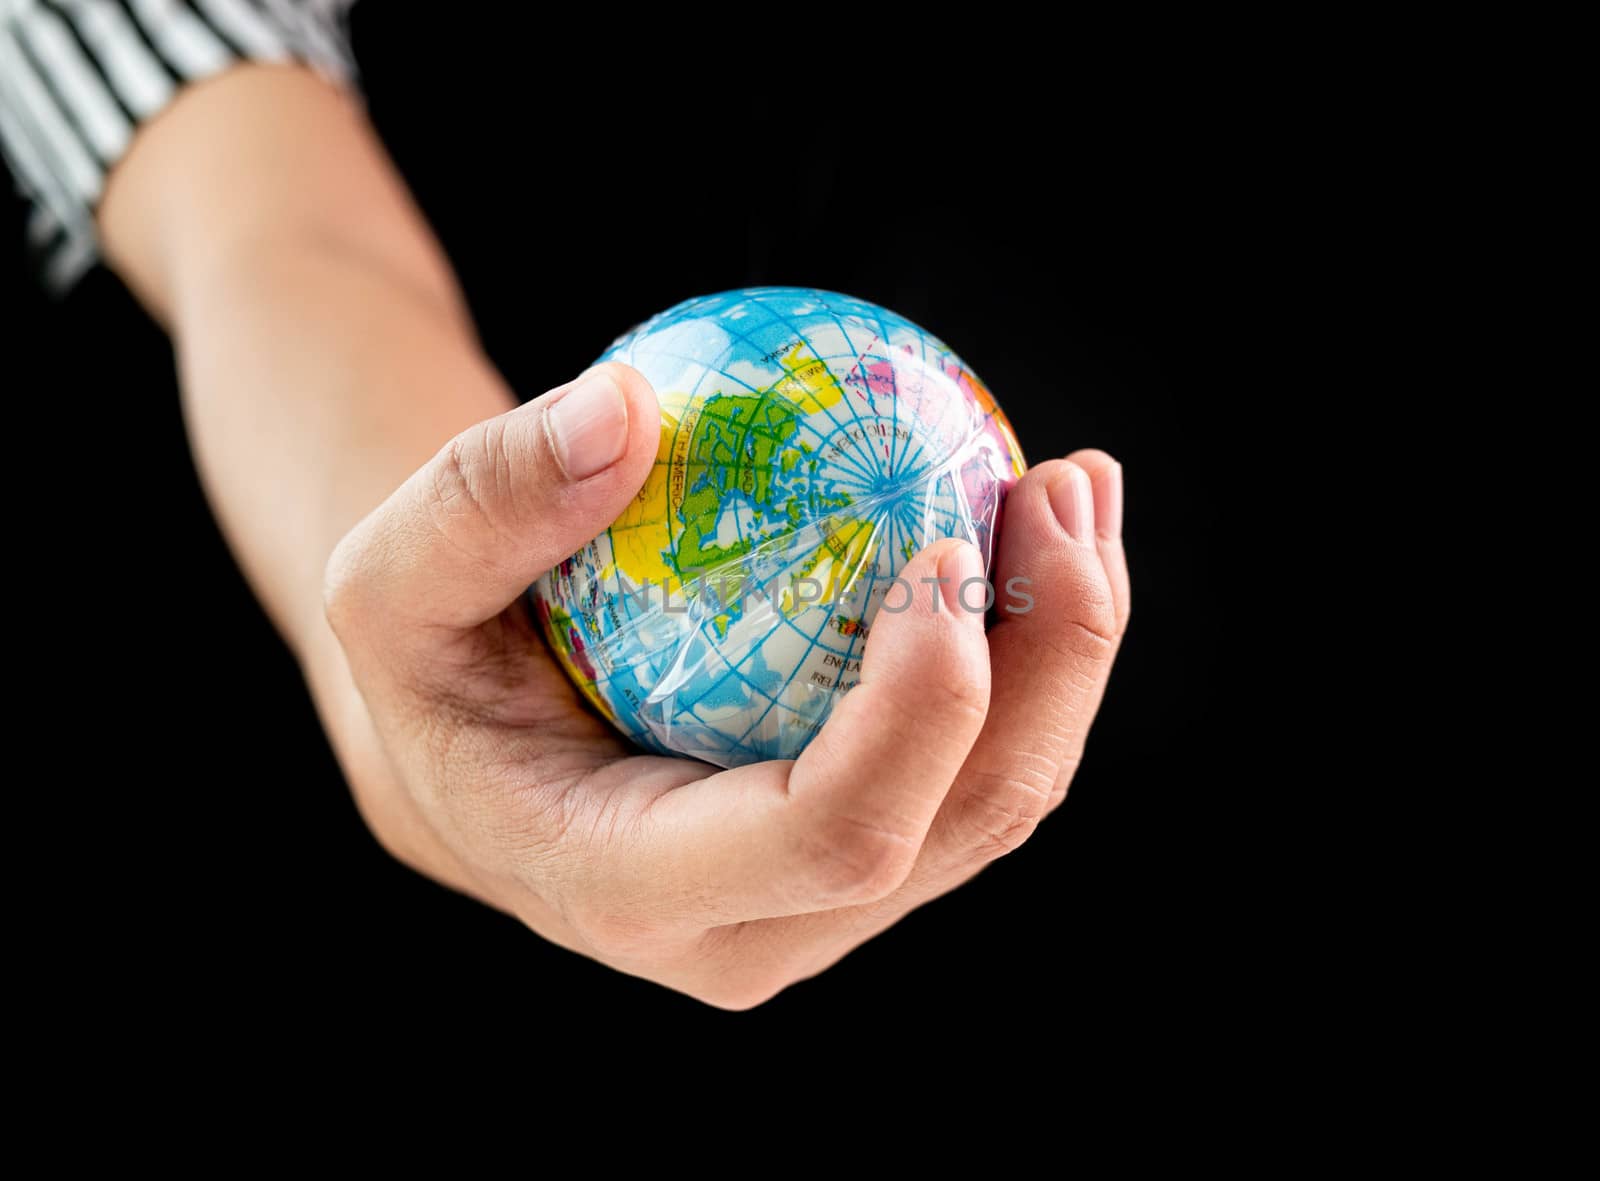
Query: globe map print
811	443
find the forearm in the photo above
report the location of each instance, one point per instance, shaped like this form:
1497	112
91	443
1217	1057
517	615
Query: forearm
323	350
324	353
312	388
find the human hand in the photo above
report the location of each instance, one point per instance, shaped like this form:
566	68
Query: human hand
727	885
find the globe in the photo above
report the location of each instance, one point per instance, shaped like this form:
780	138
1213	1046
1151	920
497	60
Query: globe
811	443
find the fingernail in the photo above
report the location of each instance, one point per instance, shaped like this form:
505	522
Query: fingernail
588	426
1108	502
957	566
1073	499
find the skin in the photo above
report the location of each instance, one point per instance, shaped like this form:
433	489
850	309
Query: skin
389	503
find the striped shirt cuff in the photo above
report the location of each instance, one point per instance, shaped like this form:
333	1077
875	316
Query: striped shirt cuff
77	78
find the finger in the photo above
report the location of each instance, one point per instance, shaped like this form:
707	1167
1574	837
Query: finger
1105	476
499	505
1051	662
844	823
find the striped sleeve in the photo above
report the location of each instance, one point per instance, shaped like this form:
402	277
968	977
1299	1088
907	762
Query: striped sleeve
77	77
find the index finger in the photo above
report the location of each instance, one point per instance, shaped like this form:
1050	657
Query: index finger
844	823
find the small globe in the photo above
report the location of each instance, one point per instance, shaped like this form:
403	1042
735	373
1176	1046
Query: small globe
811	443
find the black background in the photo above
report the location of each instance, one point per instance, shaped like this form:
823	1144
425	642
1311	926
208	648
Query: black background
1091	255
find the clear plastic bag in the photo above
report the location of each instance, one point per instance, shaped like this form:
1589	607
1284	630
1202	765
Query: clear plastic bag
810	444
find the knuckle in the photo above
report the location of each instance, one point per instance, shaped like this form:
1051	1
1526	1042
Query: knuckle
997	831
957	697
1085	643
1003	809
1092	623
940	709
472	475
467	494
853	861
458	475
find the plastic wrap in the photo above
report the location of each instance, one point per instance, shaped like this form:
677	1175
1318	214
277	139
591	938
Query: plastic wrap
811	443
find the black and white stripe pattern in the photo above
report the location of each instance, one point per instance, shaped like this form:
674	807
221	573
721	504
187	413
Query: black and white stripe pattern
78	76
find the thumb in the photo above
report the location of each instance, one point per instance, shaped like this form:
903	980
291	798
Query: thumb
499	505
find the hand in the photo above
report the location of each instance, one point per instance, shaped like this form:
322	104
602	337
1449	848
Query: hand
727	885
